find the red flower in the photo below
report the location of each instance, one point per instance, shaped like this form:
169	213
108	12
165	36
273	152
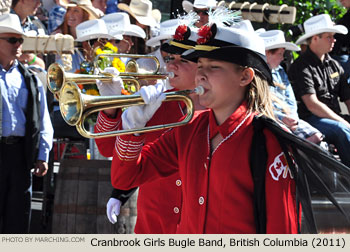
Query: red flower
205	34
180	32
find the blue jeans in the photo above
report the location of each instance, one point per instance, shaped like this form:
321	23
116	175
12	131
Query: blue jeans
336	133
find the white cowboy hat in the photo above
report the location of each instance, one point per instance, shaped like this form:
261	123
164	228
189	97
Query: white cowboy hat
199	4
167	30
141	10
92	29
320	24
87	6
275	39
244	25
119	23
9	23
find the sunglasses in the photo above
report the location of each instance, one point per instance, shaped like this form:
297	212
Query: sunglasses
203	11
13	40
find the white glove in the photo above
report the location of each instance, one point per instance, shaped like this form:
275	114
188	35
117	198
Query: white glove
113	209
113	88
136	117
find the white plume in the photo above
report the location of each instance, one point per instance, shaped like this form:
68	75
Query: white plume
222	16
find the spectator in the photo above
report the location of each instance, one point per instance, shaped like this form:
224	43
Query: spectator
341	50
78	11
319	81
100	4
26	130
201	7
285	105
112	6
56	15
26	9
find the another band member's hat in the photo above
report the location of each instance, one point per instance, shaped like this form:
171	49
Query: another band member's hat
93	29
274	39
320	24
119	23
233	45
142	11
244	25
87	6
10	23
198	4
167	30
183	39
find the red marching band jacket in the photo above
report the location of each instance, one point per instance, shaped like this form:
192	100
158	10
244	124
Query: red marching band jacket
159	201
217	185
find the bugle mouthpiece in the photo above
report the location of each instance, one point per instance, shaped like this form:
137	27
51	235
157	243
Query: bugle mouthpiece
199	90
170	75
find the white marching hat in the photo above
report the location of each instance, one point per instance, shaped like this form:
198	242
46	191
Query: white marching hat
119	23
92	29
9	23
167	30
142	11
320	24
199	4
275	39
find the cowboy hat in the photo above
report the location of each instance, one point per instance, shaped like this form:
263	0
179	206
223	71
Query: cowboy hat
87	6
275	39
199	4
320	24
244	25
141	10
119	23
167	30
238	46
92	29
9	23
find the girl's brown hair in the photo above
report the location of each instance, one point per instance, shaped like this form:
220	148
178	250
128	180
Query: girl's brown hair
258	96
66	29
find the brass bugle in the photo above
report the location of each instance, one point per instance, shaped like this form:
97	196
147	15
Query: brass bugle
56	77
76	107
132	67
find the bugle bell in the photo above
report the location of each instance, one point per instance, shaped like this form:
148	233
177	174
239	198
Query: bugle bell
133	68
56	77
76	107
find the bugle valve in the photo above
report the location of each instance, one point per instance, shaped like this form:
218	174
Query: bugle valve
76	107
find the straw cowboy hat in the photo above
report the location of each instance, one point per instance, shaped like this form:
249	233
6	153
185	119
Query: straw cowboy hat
93	29
275	39
87	6
141	10
199	4
167	30
119	23
9	23
233	45
320	24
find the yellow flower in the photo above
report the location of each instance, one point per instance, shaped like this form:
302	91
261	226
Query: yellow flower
118	64
92	92
110	46
99	51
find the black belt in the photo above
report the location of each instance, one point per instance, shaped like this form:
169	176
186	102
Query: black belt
11	139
